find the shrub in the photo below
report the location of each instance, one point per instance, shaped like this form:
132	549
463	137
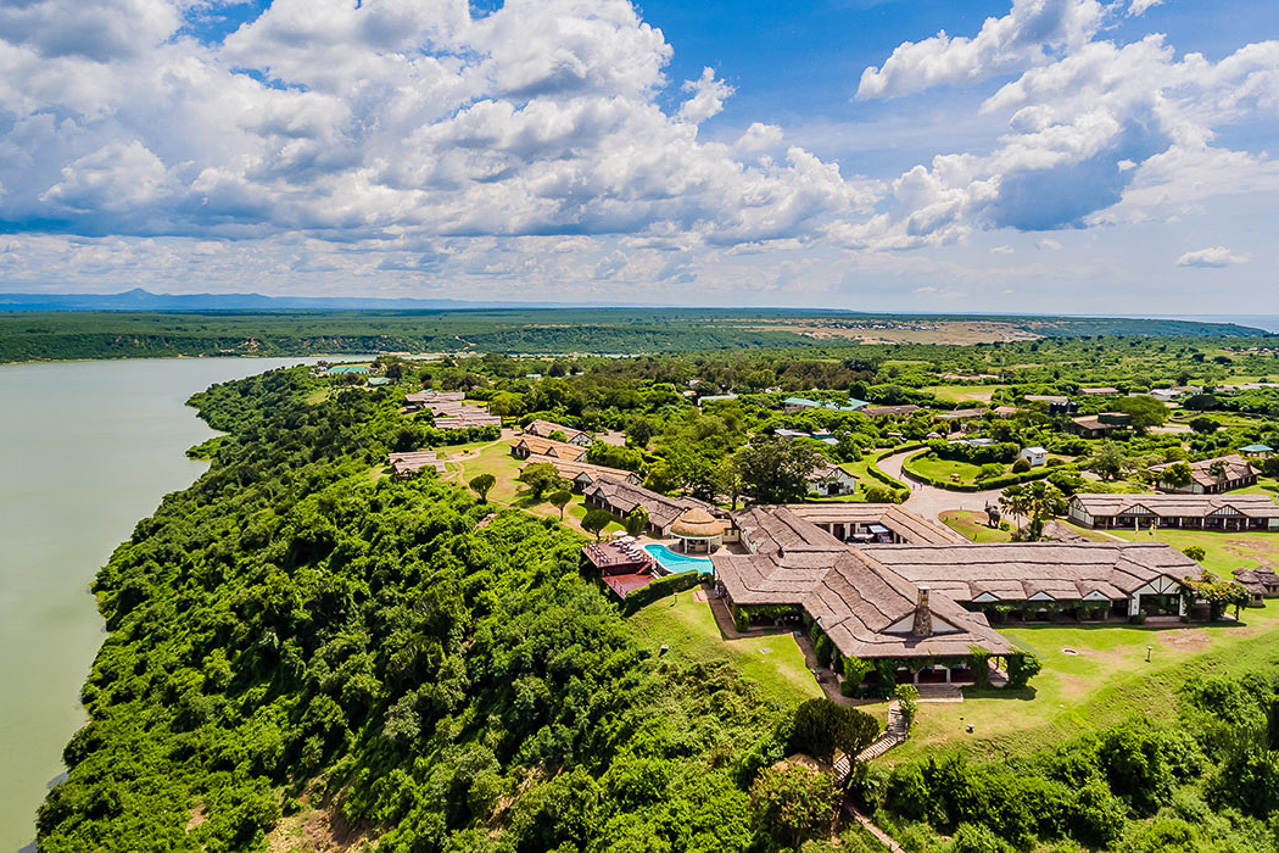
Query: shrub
856	670
661	588
907	696
1022	667
1021	466
1195	552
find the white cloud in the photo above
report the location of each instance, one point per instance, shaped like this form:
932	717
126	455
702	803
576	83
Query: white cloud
1140	7
708	98
1032	33
1215	257
1053	245
1003	250
369	120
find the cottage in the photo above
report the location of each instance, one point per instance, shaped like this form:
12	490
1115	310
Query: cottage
531	445
582	475
890	411
1098	426
1054	404
1261	583
830	480
620	498
1195	512
1211	476
1036	456
1105	391
799	404
407	464
543	429
428	397
1260	451
471	417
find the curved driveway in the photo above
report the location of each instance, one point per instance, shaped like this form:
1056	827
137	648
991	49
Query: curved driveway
930	501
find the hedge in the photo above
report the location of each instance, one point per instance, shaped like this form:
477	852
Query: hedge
661	588
984	485
894	484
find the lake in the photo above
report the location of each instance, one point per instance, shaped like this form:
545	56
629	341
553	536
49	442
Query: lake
87	449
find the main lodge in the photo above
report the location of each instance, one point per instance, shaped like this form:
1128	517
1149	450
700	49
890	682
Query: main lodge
922	597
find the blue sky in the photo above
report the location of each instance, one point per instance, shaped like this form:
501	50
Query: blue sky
914	155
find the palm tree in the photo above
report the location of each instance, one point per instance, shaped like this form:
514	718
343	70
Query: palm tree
1014	500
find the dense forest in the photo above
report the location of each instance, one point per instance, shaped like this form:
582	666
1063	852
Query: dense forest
26	336
290	632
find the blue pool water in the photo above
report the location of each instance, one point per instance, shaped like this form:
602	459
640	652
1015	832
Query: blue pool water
675	562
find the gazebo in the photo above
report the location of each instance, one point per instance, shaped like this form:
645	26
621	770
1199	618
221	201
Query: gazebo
698	530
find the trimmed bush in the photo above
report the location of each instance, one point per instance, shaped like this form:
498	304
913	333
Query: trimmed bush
661	588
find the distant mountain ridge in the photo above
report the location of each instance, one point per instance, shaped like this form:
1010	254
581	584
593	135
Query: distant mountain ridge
144	300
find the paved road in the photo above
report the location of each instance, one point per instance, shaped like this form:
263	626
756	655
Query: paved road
930	501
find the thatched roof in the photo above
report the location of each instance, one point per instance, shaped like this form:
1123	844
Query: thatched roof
1236	468
1018	571
622	497
1176	505
697	523
908	526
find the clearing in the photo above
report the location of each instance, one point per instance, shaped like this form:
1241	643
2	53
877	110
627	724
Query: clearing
689	628
1104	682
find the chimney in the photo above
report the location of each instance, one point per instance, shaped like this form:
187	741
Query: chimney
923	626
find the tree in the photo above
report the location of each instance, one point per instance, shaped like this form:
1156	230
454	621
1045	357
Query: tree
1108	460
596	520
793	803
481	485
1204	426
639	432
1043	501
541	477
1177	475
1015	500
636	521
1218	469
820	727
1145	411
559	499
907	696
775	471
1022	667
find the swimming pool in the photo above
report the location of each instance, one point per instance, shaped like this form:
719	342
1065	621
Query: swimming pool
675	562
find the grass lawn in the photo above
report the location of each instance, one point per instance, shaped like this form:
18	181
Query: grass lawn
1225	551
972	526
689	628
962	393
944	470
1107	682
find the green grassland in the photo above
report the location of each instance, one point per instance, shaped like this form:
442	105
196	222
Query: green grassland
972	526
689	628
1225	551
1106	682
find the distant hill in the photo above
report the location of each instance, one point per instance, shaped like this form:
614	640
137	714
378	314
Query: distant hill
144	300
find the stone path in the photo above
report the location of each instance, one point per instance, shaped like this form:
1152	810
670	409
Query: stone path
869	825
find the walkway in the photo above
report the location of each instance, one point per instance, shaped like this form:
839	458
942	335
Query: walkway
930	501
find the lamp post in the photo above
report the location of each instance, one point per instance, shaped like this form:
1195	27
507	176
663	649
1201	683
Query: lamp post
1148	648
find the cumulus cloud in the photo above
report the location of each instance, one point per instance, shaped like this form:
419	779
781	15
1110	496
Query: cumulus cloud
1096	135
1140	7
708	98
1214	257
1031	34
363	121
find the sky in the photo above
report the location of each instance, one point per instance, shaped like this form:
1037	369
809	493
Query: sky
1029	156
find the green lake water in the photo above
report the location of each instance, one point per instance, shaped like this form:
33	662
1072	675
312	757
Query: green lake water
87	449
